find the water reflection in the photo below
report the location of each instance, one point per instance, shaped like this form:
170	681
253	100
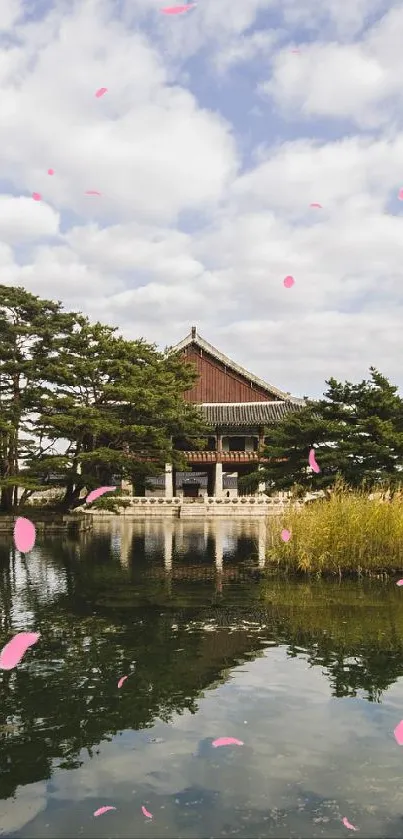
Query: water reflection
307	675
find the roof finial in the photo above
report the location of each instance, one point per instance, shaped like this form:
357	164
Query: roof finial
193	332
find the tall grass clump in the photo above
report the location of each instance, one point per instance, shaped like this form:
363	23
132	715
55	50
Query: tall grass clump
352	532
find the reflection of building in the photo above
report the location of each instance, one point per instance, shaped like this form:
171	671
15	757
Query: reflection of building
239	408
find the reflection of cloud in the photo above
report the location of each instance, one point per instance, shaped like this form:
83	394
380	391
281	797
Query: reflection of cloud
16	812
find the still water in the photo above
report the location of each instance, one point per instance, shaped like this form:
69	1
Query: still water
307	675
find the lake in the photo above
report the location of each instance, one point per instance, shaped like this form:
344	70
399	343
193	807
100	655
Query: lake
308	675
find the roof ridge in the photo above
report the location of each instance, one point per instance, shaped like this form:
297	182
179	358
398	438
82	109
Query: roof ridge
194	338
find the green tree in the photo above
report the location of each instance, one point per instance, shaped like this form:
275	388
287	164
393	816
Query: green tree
356	431
117	405
31	331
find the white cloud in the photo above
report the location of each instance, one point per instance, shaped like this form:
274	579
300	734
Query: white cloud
359	81
23	219
180	235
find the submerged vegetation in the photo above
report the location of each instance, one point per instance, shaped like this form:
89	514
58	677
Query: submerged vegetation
350	533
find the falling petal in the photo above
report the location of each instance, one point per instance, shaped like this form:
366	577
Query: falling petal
312	461
103	810
92	192
24	535
295	51
13	652
120	682
227	741
177	10
101	92
289	282
96	493
398	732
347	824
285	535
399	583
36	196
400	195
316	205
51	171
146	813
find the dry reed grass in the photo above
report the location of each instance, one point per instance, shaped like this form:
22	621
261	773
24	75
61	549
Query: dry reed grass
351	532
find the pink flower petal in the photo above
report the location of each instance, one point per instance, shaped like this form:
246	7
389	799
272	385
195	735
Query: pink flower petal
399	583
312	461
347	824
51	171
24	535
400	194
13	652
92	192
285	535
146	813
288	282
36	196
398	732
103	810
176	10
101	92
295	51
316	205
120	682
227	741
96	493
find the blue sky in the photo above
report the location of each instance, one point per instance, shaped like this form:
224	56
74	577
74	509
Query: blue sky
210	145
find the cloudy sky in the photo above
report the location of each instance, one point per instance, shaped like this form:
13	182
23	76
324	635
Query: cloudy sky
213	139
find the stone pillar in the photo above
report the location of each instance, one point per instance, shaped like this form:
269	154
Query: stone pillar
219	442
218	480
262	485
169	486
126	486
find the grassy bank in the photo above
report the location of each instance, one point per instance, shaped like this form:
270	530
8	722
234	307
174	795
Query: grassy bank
348	534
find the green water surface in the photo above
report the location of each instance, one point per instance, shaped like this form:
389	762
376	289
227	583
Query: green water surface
307	674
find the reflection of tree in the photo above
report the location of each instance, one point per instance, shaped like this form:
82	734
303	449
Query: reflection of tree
111	622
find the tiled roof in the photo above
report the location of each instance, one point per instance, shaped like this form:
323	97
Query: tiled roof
247	413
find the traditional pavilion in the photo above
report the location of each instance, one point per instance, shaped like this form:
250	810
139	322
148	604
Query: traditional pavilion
239	408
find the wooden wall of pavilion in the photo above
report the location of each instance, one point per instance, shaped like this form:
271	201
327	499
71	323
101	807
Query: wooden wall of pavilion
218	383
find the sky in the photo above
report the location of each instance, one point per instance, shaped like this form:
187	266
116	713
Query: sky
212	141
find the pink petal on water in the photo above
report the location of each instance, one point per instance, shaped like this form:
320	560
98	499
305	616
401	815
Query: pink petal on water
176	10
24	535
316	205
96	493
36	196
227	741
51	171
400	194
285	535
92	192
120	682
399	583
103	810
347	824
312	461
13	652
288	282
146	813
101	92
398	732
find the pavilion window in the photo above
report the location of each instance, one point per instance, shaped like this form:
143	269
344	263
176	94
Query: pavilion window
236	444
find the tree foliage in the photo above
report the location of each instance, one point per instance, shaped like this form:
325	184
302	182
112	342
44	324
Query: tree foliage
79	401
355	429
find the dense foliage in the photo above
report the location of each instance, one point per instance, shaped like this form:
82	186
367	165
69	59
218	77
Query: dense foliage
80	403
